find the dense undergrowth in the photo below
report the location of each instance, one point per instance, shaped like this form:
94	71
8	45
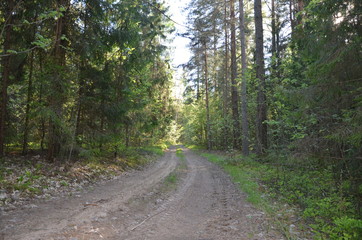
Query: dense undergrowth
308	199
26	177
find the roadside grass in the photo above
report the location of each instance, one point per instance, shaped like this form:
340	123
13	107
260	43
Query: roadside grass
303	202
244	179
248	182
156	149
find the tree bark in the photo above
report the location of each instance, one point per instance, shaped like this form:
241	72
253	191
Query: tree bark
28	103
206	75
226	77
291	16
5	74
261	126
244	97
234	91
55	135
273	32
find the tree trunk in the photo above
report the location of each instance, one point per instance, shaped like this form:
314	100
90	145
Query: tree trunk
244	97
208	127
5	74
42	120
214	61
273	32
234	91
300	7
28	102
291	16
261	126
226	77
55	132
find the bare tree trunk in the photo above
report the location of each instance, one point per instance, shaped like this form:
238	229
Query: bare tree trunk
28	102
244	97
42	126
55	135
198	75
291	16
273	32
300	7
234	91
261	126
214	75
5	73
226	76
208	127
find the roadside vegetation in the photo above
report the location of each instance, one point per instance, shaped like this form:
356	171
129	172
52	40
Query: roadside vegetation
278	83
23	178
302	202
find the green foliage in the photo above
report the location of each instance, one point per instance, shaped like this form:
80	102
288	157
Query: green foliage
179	152
158	149
98	85
331	215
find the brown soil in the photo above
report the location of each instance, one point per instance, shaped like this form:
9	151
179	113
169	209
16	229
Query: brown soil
203	205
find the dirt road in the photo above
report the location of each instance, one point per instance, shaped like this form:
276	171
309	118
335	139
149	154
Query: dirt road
169	200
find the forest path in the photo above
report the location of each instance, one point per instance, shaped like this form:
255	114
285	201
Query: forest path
172	199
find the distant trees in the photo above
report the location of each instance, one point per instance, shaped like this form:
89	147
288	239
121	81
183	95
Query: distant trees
82	77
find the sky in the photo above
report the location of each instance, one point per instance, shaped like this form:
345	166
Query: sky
179	50
180	53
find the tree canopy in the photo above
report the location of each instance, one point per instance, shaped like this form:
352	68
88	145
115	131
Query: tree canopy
83	75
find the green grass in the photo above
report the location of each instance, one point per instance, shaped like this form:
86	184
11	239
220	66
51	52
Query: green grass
171	179
195	147
308	193
244	179
182	159
170	182
156	149
249	184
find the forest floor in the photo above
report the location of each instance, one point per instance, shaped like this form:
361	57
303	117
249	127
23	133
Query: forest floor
180	196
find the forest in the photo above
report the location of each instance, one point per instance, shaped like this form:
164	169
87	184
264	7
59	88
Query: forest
281	82
273	86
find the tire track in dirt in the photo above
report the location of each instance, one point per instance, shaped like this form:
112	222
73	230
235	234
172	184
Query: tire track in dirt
56	215
206	205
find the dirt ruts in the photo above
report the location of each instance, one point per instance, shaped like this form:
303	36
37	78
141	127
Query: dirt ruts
203	205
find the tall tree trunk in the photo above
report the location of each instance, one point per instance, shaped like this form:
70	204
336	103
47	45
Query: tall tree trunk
5	73
42	120
55	135
261	126
291	16
208	127
234	91
28	103
299	8
214	72
244	97
198	76
273	32
226	76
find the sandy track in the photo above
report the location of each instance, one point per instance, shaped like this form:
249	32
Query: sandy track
204	206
